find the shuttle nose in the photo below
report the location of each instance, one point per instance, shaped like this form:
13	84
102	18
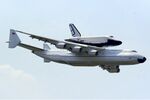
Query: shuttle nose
113	42
119	42
142	60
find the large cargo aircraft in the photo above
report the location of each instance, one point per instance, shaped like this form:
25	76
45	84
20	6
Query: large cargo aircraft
81	51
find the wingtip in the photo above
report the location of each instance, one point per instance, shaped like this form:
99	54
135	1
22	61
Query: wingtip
12	30
7	42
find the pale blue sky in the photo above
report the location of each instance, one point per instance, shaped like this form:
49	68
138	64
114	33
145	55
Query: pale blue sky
25	76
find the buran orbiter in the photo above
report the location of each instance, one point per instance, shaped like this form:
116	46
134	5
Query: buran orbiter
81	51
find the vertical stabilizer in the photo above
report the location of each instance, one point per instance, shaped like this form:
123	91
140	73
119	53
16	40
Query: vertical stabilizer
46	47
13	39
74	31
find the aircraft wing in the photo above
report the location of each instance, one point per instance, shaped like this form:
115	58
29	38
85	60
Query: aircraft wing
52	41
73	47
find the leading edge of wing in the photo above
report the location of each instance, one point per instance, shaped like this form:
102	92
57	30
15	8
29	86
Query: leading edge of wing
45	39
55	42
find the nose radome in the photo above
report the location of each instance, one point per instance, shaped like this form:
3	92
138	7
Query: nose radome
142	60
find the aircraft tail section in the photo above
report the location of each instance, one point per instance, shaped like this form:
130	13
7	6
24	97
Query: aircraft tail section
74	31
13	39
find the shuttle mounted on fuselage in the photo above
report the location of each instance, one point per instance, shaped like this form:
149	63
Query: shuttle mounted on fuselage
81	51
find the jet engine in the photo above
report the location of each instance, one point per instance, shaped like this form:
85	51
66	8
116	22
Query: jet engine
93	52
76	49
60	45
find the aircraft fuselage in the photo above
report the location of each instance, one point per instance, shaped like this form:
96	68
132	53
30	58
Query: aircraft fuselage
109	57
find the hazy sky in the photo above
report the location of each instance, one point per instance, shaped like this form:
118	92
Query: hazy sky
25	76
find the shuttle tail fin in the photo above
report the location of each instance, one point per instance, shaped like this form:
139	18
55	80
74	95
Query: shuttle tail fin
13	39
74	31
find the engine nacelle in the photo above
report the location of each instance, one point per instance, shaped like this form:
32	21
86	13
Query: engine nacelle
76	49
60	45
93	52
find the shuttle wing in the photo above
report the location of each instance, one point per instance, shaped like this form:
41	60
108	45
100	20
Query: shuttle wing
73	47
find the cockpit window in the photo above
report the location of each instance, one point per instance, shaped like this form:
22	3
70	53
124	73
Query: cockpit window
111	36
134	51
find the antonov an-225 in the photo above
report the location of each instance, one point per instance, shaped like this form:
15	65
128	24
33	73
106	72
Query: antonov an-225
81	51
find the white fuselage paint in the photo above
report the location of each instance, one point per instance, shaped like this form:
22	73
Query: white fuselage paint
105	57
91	39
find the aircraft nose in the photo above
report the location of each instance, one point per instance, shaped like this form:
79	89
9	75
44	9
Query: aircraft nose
141	60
